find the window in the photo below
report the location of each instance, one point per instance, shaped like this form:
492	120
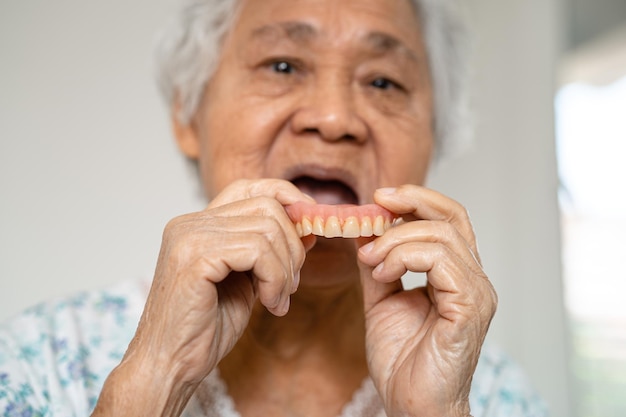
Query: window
591	151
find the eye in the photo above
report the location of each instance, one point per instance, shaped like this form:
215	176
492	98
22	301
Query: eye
283	67
383	84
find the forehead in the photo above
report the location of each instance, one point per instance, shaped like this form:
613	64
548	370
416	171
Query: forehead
382	24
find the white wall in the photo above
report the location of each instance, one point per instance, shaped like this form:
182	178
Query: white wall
508	182
89	174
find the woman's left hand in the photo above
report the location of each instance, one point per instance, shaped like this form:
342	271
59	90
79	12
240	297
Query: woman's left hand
423	344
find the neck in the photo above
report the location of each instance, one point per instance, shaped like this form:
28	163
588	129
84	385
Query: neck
318	319
322	320
316	353
325	312
319	343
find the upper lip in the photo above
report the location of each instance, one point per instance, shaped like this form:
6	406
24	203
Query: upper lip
322	173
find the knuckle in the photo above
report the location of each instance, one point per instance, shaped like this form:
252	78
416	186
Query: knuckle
268	224
260	241
265	206
441	251
235	188
259	187
488	299
267	202
460	212
464	217
443	231
174	226
494	298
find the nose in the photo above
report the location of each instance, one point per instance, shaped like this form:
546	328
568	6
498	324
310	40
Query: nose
329	109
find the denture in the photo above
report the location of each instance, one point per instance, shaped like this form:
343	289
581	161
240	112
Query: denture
346	220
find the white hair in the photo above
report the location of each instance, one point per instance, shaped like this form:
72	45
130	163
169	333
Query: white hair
188	50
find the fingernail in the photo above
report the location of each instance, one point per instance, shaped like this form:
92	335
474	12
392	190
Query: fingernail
296	282
275	302
366	249
285	307
387	190
379	268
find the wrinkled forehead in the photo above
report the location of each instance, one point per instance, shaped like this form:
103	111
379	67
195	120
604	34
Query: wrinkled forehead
305	33
380	24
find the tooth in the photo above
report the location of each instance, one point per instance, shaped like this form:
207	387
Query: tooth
307	226
351	227
332	227
387	225
366	227
299	229
378	226
318	226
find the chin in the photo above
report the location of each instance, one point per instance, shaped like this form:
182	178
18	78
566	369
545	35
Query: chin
331	261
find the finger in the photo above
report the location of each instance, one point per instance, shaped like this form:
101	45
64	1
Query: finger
374	291
265	215
456	289
283	191
242	252
248	221
426	204
283	241
420	231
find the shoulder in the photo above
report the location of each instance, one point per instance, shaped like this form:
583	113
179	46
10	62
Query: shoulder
56	355
500	387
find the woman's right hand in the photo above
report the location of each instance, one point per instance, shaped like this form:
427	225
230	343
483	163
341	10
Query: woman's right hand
212	267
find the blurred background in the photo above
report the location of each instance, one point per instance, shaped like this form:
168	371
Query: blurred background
89	173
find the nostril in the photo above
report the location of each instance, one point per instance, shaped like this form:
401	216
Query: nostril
328	135
349	137
330	120
346	136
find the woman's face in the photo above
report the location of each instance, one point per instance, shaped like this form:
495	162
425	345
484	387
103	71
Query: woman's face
332	95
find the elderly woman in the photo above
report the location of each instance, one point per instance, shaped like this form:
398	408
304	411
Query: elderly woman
312	123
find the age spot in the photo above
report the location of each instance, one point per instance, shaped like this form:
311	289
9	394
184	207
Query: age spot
345	220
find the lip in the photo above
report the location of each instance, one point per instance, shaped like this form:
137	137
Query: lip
322	173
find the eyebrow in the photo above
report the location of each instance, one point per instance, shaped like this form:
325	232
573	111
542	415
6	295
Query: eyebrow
384	43
296	31
303	33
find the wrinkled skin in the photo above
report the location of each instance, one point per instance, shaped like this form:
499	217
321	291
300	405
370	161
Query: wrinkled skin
335	93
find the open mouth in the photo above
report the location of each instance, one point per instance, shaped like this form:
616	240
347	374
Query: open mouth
326	191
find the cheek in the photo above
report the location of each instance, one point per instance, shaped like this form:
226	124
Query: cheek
404	154
401	167
235	143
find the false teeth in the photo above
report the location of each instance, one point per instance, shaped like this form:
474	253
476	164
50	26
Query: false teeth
318	226
366	227
343	220
332	228
352	227
379	226
307	227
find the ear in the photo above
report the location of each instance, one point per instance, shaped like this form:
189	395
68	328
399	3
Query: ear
186	136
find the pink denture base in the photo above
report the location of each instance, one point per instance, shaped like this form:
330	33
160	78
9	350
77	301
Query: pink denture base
346	220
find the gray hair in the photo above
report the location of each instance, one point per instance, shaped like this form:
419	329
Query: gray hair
188	51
